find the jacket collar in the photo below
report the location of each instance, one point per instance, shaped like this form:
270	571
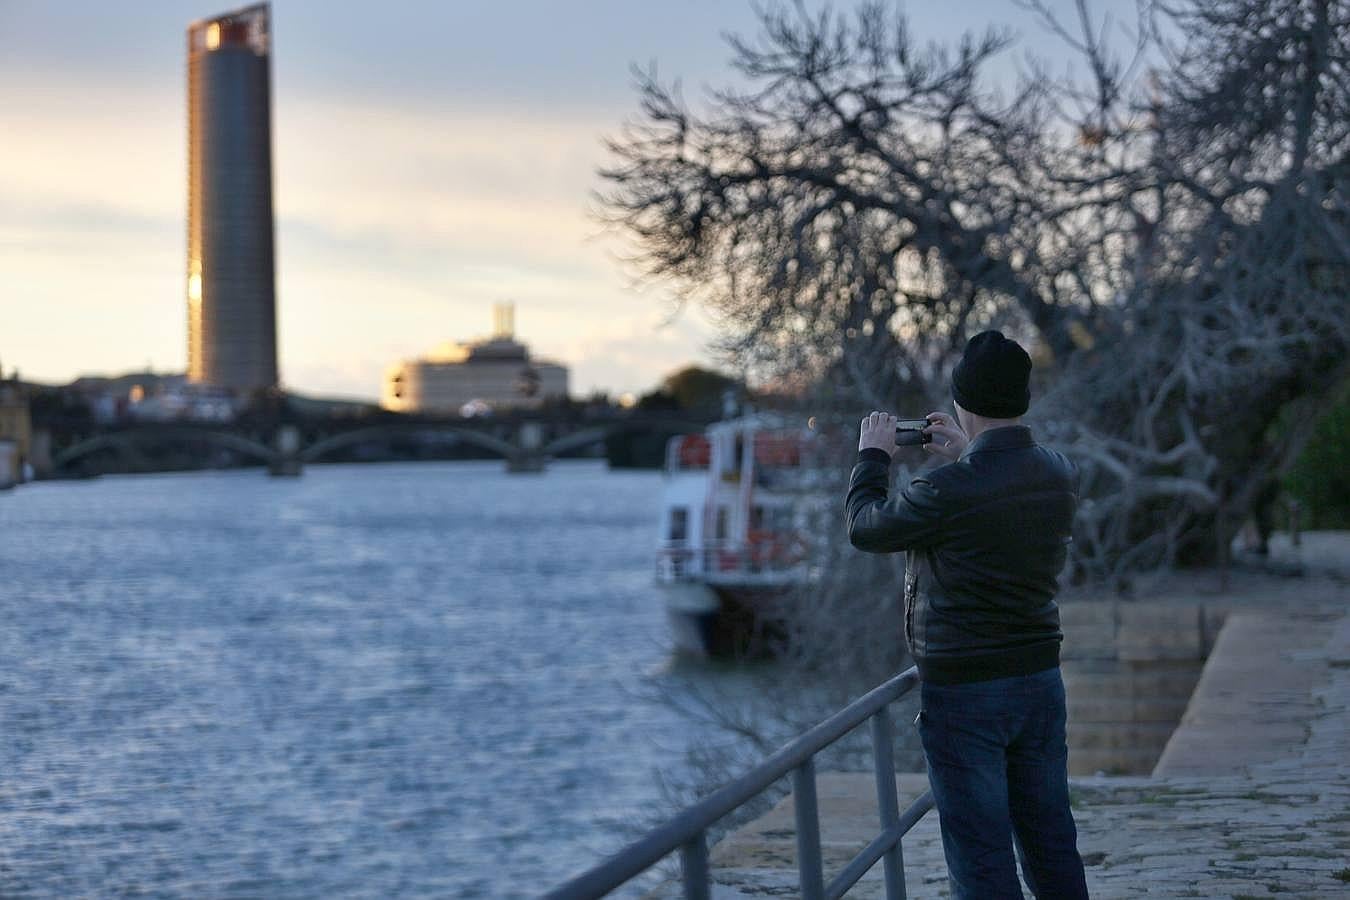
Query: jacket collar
1007	437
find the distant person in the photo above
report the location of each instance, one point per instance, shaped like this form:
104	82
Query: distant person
986	536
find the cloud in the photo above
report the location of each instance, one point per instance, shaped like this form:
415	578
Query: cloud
477	182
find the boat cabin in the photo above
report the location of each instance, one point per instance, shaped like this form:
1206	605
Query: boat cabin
730	505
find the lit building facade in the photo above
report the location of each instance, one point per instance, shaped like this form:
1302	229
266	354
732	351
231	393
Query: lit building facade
231	294
458	378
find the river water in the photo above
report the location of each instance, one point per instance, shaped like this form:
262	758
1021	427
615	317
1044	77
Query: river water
426	679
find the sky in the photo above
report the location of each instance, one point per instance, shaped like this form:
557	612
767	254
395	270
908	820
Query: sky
430	159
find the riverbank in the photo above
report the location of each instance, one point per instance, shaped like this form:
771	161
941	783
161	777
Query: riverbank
1250	798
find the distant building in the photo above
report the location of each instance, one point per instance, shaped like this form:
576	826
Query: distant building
153	397
16	432
182	403
468	378
231	294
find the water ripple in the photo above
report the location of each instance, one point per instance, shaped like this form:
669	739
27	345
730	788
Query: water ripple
412	680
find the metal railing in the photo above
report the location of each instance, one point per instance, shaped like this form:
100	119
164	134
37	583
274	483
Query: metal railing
687	832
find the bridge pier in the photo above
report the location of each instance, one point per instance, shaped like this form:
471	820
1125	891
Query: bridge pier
42	454
526	463
529	456
285	461
9	464
286	467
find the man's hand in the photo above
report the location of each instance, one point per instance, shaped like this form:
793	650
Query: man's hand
878	430
948	438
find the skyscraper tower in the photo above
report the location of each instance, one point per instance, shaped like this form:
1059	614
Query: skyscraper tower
231	292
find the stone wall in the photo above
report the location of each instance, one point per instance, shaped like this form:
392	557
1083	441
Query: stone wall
1129	670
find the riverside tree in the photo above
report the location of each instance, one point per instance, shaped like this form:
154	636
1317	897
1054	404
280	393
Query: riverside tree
1169	231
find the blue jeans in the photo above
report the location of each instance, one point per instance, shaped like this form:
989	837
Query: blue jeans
998	764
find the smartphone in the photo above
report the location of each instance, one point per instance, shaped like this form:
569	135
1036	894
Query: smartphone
909	432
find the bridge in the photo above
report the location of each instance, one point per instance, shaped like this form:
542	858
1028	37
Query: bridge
525	444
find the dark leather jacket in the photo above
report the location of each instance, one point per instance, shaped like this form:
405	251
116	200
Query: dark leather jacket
986	538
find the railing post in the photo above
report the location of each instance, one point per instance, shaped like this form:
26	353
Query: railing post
809	867
887	804
687	831
694	862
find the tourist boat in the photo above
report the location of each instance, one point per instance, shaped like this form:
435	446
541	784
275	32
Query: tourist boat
733	528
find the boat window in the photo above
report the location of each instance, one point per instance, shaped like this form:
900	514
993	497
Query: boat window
720	529
679	523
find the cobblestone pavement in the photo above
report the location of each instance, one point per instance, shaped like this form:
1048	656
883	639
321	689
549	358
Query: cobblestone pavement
1268	824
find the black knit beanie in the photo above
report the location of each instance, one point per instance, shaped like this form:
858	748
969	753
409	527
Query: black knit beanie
991	378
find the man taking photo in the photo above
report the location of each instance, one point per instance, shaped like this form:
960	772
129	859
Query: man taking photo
986	536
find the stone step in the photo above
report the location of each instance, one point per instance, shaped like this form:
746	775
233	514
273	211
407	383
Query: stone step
1255	697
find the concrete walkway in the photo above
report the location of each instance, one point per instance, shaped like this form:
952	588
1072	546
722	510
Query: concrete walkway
1250	799
1257	695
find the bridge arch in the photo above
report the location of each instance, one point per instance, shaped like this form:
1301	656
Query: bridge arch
132	437
247	447
314	451
587	436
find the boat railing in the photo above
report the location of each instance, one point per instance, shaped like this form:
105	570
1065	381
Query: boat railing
687	831
677	560
674	561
